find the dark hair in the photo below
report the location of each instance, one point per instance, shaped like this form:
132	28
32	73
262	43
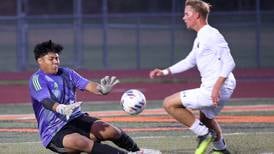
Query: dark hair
44	48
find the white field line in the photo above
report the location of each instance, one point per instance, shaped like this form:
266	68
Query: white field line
160	137
191	136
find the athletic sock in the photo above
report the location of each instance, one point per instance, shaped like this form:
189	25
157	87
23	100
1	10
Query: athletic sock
198	128
219	145
99	148
126	142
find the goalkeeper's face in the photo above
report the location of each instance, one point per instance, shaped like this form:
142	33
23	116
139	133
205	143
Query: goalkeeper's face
49	63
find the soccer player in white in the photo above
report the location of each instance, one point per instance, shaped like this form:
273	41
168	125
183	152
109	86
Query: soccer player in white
211	55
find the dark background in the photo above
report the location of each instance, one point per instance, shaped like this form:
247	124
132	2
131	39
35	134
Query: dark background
38	7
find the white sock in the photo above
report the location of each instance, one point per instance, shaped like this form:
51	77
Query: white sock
198	128
219	145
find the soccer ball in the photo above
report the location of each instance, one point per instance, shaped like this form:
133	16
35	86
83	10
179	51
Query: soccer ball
133	101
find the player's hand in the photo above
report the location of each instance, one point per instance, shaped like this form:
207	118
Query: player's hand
155	73
215	96
67	109
106	84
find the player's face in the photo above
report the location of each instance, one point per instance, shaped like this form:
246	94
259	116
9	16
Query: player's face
190	17
49	63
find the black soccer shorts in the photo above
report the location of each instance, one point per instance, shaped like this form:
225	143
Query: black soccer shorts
81	125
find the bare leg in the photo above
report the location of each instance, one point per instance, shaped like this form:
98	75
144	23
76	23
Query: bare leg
174	107
211	124
105	131
76	142
172	104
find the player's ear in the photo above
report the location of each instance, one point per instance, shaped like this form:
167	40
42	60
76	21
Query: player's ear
39	60
198	15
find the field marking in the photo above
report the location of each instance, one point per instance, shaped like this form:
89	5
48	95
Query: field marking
152	115
159	111
163	136
166	118
161	119
191	136
150	129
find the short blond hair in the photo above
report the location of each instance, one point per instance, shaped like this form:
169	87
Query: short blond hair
200	7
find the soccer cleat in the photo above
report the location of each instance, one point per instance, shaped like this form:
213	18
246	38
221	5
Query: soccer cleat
146	151
214	151
204	141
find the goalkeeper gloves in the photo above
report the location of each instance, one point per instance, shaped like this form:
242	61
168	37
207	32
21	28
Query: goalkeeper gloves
67	109
106	84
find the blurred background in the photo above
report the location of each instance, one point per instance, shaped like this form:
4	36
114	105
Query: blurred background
127	38
129	34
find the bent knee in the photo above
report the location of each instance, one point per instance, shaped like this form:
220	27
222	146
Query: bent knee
170	103
105	131
77	142
82	144
166	103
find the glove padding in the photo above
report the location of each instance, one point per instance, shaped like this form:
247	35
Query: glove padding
106	84
67	109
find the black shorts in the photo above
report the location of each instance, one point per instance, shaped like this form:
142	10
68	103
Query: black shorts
81	125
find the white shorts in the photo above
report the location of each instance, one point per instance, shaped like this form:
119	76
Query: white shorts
200	99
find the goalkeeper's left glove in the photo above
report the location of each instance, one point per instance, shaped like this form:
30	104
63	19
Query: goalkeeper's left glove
106	84
67	109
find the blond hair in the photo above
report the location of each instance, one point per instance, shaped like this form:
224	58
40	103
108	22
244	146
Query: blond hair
200	7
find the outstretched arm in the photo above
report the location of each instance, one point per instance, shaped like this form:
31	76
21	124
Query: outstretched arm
104	87
91	87
158	72
180	66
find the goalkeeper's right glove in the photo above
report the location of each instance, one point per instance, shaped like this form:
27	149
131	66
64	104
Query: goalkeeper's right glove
67	109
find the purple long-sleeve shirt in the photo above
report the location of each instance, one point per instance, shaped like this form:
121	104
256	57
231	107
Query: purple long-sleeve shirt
60	88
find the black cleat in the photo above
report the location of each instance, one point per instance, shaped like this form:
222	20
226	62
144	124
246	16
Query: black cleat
214	151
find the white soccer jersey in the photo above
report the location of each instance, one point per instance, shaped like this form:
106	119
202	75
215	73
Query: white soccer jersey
211	55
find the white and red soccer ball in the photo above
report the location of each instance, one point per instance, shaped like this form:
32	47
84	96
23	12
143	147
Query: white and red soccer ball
133	101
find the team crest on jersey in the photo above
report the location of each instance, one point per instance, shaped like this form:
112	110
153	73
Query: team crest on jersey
55	85
56	90
184	94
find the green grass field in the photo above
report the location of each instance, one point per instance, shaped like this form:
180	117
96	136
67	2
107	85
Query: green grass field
243	137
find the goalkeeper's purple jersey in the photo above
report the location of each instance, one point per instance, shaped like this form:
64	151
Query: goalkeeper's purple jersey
60	88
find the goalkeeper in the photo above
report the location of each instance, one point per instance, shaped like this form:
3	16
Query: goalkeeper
62	126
